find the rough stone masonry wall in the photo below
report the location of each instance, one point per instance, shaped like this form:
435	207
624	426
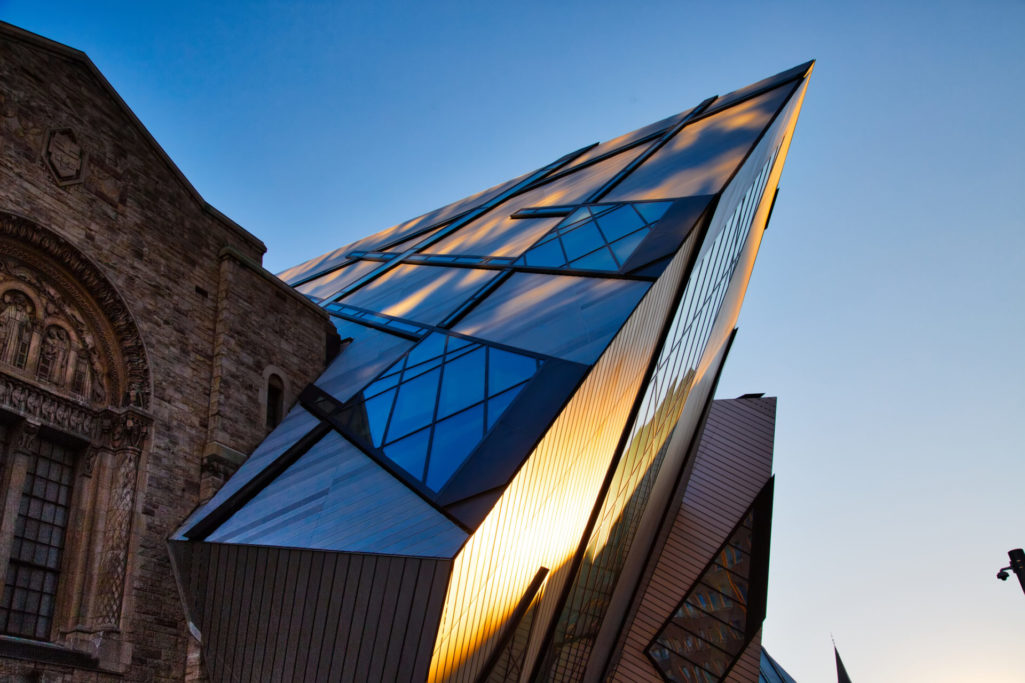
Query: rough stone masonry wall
263	327
161	248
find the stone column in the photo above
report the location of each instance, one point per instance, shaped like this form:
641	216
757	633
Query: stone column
127	434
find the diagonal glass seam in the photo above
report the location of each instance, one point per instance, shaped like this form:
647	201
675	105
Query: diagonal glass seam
349	260
375	454
472	215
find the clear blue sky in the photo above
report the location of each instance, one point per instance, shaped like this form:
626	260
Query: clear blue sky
886	309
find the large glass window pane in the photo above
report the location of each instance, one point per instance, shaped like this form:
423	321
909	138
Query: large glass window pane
563	316
496	234
328	285
463	383
454	439
422	293
702	156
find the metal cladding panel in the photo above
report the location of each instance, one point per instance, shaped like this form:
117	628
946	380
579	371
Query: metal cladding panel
734	460
497	234
280	614
425	294
541	515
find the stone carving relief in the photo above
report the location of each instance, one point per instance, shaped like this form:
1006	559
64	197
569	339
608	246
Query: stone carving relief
64	156
72	360
84	303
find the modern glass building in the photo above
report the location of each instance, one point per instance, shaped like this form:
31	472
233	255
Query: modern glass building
491	479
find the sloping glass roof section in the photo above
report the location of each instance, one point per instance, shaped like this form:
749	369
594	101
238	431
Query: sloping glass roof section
325	286
596	237
429	411
704	154
366	356
573	318
425	294
403	232
334	497
497	234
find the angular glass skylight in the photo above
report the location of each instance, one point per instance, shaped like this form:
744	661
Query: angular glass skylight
429	410
596	237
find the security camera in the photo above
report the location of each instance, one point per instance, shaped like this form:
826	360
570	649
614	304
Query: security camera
1002	575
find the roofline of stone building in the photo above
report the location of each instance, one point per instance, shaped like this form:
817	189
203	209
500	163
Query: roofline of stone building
20	34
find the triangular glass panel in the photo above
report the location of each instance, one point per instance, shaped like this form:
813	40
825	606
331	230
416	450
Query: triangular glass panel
652	211
596	260
378	409
410	453
431	347
454	439
624	247
456	343
498	404
578	215
547	255
507	369
581	240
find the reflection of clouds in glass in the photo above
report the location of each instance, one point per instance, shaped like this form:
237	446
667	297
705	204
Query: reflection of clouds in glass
568	317
423	293
328	285
495	234
702	156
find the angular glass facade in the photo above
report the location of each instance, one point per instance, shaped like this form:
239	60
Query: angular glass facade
523	376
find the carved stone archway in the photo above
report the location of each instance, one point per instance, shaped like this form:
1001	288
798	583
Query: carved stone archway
73	363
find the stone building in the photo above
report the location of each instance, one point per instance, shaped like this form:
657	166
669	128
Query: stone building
143	351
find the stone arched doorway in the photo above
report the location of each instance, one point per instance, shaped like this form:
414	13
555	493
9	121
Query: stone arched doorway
74	397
